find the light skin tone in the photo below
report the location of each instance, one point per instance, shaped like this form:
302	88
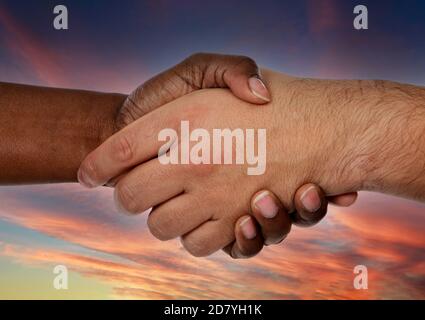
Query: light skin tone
345	136
269	222
47	132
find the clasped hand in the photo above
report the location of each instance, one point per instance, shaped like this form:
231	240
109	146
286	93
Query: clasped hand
219	206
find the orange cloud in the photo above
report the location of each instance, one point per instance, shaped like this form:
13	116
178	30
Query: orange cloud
313	263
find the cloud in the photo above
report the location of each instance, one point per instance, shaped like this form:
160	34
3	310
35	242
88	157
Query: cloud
323	16
24	45
313	263
60	65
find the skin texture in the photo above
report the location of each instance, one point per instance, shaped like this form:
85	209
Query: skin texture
47	132
355	131
242	76
199	71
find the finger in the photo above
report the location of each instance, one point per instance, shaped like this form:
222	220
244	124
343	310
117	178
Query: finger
238	73
114	181
248	239
135	144
344	200
245	81
199	71
274	221
208	238
147	186
177	217
311	205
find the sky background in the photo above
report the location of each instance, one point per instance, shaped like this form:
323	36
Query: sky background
115	46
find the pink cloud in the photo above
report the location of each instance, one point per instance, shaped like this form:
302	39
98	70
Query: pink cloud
37	56
313	263
323	16
61	67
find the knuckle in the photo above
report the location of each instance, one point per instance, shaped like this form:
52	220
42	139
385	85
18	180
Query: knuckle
273	231
275	240
198	56
248	251
126	199
247	62
156	227
202	170
137	93
196	247
125	115
123	148
236	256
314	218
144	97
192	70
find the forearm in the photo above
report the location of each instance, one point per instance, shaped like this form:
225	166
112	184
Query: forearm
45	133
349	135
391	148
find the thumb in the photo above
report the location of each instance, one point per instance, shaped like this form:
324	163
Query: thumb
238	73
200	71
245	82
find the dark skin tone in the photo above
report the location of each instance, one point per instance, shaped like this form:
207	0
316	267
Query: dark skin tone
46	133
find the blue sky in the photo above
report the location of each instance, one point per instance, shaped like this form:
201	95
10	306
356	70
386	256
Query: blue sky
312	38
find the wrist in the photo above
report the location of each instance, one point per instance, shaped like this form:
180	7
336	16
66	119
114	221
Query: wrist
89	121
309	123
388	154
325	113
326	123
106	117
362	135
47	132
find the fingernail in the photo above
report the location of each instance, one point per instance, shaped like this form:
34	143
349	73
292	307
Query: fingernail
84	180
266	205
259	89
248	228
311	200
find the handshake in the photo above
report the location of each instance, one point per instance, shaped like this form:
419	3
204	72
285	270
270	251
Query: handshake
266	150
325	137
206	204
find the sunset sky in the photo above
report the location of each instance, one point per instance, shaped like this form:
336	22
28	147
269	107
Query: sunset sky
115	46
